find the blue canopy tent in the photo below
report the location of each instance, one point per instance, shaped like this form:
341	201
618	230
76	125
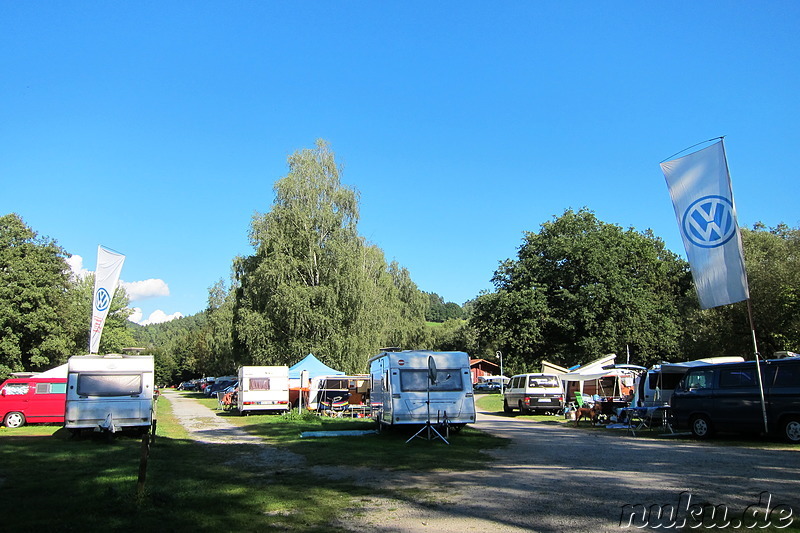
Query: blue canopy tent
314	366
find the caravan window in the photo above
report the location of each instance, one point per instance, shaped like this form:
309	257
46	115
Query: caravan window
417	380
109	384
259	383
664	380
336	384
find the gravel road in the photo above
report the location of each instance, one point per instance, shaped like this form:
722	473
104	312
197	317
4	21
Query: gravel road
555	478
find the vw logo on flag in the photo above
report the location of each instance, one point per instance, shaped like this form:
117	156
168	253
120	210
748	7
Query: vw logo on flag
709	221
102	299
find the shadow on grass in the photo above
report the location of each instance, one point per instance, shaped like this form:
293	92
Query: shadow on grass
91	485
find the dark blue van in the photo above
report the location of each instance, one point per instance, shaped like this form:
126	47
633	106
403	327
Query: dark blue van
725	398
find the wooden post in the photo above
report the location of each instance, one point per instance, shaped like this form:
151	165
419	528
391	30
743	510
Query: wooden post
143	464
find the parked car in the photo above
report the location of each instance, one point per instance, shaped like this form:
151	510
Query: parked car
486	386
726	398
534	392
218	385
30	400
189	385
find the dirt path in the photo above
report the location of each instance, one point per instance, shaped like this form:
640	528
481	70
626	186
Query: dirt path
555	478
205	426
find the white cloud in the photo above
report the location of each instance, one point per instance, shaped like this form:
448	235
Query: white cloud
156	317
149	288
75	263
136	317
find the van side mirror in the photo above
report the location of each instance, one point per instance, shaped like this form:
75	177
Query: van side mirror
3	392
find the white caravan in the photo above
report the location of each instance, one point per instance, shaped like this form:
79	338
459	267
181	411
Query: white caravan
400	387
110	393
263	388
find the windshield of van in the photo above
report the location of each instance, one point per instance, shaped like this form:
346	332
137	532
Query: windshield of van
109	384
542	381
448	379
698	380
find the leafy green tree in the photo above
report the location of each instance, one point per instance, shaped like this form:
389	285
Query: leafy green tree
581	288
34	278
439	311
313	284
218	331
514	322
179	347
772	260
116	332
457	335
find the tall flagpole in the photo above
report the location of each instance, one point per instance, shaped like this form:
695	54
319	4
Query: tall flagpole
758	365
752	322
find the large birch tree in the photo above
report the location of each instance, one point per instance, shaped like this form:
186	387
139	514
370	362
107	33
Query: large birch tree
313	284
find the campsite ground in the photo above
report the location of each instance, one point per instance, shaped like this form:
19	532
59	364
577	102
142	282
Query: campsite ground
554	477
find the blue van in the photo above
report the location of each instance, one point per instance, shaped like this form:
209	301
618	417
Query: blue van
726	398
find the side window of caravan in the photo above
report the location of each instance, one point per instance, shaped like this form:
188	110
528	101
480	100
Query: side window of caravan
109	384
737	377
259	383
699	380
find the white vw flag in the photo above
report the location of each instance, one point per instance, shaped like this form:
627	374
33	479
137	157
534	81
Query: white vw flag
701	193
106	277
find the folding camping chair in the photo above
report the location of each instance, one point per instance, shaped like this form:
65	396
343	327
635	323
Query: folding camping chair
642	418
583	400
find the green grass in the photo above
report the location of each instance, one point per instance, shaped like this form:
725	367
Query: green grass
48	479
52	481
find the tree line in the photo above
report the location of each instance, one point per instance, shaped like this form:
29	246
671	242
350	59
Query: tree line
45	309
577	289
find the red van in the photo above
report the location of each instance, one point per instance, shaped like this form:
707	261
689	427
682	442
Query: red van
32	400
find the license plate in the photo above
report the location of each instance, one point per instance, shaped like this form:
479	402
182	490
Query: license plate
544	400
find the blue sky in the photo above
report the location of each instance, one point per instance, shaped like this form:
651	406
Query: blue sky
158	128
